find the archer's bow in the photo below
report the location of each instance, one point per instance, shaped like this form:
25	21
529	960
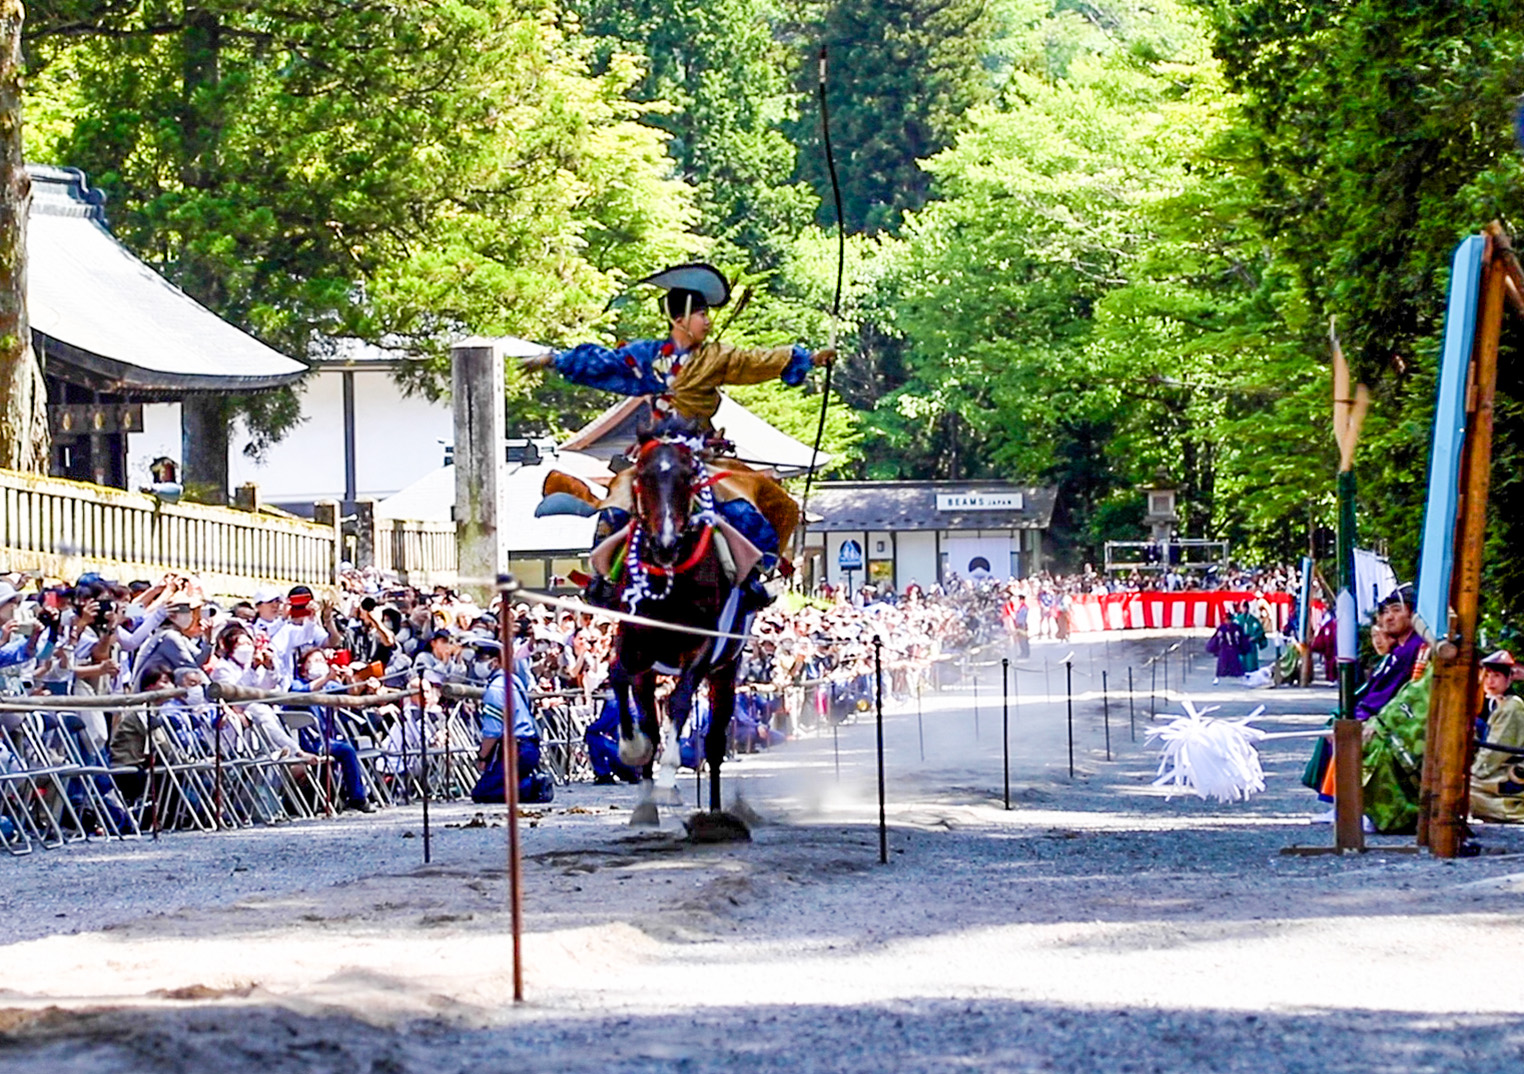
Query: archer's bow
841	263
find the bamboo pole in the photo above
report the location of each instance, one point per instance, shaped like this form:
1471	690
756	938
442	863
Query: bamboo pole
1456	694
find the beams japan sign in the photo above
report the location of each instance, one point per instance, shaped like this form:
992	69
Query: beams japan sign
979	501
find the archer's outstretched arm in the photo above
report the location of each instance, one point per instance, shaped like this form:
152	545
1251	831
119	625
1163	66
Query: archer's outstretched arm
625	370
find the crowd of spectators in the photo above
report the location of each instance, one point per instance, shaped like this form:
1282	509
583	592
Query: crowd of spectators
367	635
811	663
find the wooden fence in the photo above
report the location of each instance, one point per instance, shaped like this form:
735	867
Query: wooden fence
64	528
420	553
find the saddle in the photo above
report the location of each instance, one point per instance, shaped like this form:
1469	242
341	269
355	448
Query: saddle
733	479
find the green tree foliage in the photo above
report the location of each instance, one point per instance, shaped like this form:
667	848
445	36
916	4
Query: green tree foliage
402	173
903	76
717	82
1045	208
1382	132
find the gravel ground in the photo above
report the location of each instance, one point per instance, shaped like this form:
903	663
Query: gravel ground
1095	925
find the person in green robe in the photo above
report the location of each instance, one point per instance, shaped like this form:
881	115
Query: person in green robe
1392	763
1254	631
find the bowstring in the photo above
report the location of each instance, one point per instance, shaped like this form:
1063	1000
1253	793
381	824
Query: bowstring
841	264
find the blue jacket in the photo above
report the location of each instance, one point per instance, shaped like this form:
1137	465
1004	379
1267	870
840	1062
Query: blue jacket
496	701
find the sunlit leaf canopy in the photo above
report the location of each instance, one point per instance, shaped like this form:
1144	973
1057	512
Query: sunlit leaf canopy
1091	243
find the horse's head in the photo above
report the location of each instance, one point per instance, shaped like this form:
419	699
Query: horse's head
666	476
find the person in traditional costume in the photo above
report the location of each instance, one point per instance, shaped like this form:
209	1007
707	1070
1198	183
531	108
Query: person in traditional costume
682	375
1497	791
1228	645
1403	659
1254	637
1396	668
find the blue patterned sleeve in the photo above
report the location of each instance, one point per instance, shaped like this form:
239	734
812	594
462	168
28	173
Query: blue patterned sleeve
798	367
626	370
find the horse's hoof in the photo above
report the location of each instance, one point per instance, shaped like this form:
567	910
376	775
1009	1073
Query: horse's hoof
644	815
637	751
717	828
748	816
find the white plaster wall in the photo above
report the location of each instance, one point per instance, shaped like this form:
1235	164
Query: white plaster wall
160	436
917	559
397	441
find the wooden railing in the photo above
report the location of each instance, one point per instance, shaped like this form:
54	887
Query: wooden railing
420	553
64	528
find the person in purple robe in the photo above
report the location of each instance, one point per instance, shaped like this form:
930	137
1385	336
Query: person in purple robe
1228	645
1395	617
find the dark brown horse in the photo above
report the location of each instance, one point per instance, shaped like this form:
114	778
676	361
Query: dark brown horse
673	572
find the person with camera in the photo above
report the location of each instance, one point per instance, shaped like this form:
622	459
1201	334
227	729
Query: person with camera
178	644
317	674
19	638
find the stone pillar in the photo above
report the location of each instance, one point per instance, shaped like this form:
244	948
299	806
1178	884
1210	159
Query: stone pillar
476	383
365	533
246	497
326	513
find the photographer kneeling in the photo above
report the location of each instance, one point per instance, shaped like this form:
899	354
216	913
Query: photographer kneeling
534	785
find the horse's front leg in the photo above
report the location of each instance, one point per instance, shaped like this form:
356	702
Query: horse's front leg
722	697
645	813
635	747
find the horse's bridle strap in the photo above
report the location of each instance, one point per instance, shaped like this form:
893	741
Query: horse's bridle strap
692	561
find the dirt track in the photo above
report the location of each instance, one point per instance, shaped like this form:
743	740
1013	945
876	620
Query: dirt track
1094	926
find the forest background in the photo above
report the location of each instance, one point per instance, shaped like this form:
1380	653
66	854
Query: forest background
1091	243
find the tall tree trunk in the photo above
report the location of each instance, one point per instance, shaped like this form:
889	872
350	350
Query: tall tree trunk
23	395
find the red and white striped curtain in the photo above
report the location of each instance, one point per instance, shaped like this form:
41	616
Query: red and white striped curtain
1154	611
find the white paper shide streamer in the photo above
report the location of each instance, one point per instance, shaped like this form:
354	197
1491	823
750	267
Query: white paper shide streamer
1210	758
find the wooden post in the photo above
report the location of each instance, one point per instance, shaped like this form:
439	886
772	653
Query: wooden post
1349	808
476	383
1456	692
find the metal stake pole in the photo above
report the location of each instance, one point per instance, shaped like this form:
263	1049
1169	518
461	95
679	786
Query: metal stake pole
1069	678
511	799
1005	725
328	769
883	822
423	745
1106	713
217	724
920	731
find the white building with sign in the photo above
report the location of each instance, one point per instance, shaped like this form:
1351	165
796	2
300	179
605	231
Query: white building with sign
927	531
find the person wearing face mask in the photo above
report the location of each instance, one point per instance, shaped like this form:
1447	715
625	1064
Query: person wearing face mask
239	662
175	646
314	674
534	785
19	647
